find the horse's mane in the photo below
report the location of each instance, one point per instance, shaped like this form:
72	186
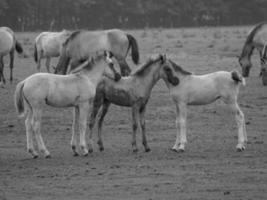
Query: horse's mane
88	64
179	69
249	40
72	36
141	70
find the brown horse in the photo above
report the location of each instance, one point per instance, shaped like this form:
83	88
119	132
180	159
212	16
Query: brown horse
256	39
8	44
80	44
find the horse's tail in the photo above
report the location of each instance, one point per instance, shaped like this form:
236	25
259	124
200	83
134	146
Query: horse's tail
134	47
63	61
238	78
35	54
19	99
18	47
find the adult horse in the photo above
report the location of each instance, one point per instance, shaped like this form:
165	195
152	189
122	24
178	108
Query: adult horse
48	45
131	91
255	39
80	44
8	44
202	90
74	90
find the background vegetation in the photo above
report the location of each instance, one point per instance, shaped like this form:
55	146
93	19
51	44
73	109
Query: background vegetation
29	15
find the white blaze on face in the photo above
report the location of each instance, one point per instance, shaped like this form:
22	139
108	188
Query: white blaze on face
108	58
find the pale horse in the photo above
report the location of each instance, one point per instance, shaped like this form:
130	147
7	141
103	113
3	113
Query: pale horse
76	90
48	45
201	90
131	91
8	45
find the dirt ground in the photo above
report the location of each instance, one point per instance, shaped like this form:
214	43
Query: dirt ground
209	169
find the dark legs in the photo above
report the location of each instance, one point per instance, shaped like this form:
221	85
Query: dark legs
2	78
11	65
102	115
138	118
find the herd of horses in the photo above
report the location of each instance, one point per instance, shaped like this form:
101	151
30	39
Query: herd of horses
85	79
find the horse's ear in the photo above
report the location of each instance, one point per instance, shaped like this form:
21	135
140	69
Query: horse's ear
262	61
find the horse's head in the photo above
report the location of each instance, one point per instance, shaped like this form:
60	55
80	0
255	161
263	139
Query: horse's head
172	73
245	64
107	57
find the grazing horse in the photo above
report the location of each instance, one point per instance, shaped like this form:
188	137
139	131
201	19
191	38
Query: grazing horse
131	91
8	44
255	39
201	90
264	65
80	44
74	90
48	45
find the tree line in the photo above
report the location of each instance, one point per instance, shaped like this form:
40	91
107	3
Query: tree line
32	15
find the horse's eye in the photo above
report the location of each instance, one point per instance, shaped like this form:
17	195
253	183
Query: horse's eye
167	69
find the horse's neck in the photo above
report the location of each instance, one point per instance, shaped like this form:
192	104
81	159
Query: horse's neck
151	77
247	51
94	74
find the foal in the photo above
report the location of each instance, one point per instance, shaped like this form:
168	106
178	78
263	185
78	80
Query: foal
201	90
74	90
132	91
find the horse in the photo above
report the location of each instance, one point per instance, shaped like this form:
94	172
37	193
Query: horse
80	44
202	90
47	45
74	90
131	91
255	39
8	45
263	73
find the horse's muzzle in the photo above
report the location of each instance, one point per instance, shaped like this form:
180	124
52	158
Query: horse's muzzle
117	76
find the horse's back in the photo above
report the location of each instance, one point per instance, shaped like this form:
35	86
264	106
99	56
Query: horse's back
50	43
86	42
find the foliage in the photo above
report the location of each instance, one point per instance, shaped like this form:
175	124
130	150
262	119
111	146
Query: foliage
95	14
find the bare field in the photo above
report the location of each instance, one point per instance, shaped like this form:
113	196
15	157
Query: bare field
209	169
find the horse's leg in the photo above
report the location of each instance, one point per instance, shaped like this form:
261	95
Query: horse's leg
75	123
125	69
47	64
240	120
2	70
39	63
37	120
11	64
135	121
143	127
29	134
181	115
102	115
83	111
96	105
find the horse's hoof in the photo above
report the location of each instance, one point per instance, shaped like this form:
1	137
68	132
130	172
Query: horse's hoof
75	154
48	156
135	150
35	156
177	150
90	150
147	150
85	154
101	148
240	149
